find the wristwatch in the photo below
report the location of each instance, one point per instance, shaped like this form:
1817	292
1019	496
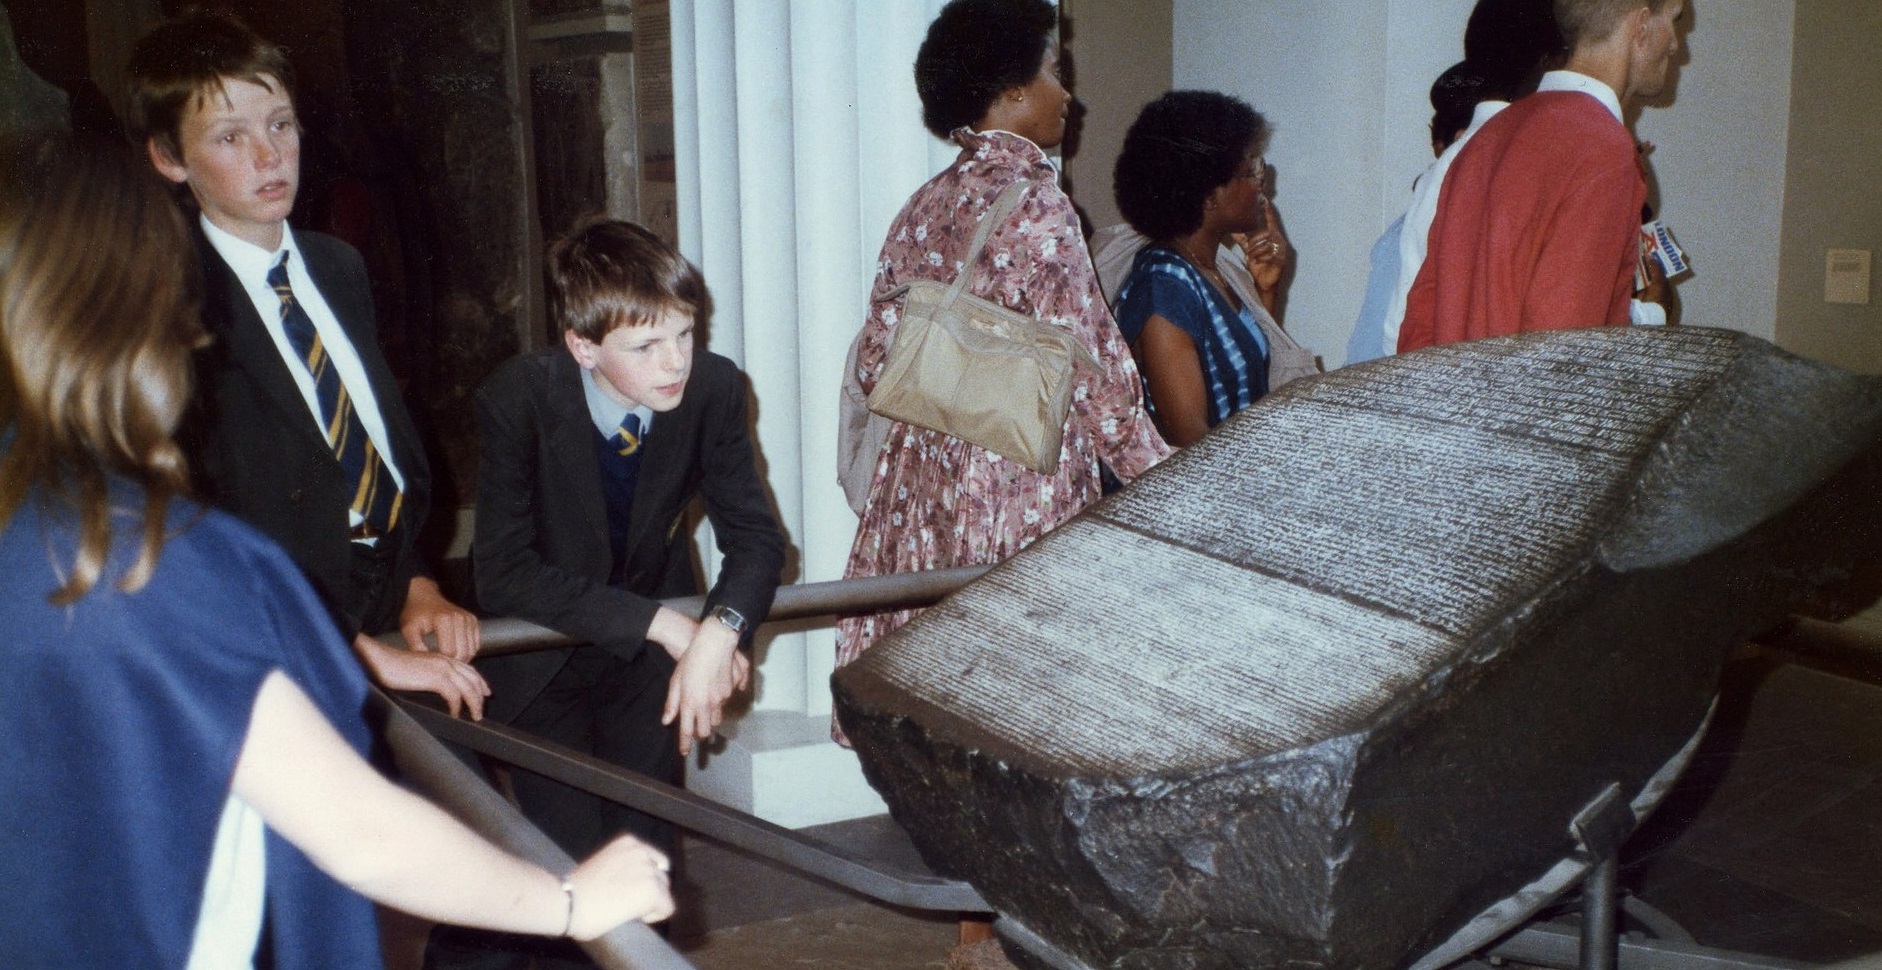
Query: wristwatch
733	619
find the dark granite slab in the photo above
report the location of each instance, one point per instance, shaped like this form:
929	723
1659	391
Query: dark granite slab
1334	680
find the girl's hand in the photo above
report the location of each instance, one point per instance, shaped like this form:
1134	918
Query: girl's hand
625	879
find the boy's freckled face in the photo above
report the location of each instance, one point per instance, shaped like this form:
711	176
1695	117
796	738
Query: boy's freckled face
241	159
641	365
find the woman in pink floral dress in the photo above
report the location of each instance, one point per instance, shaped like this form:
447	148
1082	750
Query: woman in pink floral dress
988	78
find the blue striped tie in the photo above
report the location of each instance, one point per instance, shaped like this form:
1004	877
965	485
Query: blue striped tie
376	497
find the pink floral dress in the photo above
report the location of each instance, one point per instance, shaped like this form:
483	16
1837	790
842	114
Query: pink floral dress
936	501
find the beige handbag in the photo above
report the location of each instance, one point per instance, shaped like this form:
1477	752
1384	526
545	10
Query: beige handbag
976	370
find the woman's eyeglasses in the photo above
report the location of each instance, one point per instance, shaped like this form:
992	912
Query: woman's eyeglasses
1256	170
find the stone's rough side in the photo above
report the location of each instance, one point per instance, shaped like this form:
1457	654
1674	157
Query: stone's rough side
1335	679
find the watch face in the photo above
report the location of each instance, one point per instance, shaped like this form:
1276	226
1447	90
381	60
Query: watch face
730	617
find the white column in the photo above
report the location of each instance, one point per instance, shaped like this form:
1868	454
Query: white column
827	169
798	137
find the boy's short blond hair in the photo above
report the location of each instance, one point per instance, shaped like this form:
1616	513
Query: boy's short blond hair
607	273
181	62
1591	21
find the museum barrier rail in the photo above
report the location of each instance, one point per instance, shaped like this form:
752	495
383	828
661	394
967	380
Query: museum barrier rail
416	730
448	781
413	730
866	595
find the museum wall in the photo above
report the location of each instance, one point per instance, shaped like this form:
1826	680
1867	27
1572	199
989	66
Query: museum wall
1830	195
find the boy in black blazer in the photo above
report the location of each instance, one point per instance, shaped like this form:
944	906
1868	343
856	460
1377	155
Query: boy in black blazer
593	449
296	424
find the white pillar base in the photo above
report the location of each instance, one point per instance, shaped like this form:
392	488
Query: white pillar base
782	767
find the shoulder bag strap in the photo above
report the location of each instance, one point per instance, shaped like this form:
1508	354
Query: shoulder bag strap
996	214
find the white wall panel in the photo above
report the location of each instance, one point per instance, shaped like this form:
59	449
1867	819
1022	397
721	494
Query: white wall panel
1345	83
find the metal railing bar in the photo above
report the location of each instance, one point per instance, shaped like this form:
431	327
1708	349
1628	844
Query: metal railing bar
868	594
1832	647
826	861
864	594
454	786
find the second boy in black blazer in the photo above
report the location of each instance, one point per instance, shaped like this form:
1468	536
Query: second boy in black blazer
592	451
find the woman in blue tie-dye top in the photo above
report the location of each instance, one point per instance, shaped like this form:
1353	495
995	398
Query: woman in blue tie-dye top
1190	178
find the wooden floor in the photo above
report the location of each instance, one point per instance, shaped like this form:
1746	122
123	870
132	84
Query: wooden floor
1771	844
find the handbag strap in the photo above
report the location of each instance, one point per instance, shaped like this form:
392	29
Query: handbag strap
996	214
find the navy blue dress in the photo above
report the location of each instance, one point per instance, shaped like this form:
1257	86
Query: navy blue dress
121	717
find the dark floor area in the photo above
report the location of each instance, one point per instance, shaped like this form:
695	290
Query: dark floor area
1771	844
738	910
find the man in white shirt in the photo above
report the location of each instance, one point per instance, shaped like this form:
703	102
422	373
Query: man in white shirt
1538	225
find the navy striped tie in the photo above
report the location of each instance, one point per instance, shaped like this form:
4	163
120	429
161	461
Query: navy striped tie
627	439
376	497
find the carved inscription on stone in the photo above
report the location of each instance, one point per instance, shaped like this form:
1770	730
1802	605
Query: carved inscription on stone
1332	681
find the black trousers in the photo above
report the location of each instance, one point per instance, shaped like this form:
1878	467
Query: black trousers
602	705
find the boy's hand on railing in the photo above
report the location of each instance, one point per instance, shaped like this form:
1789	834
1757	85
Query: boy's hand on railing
673	631
741	670
427	611
457	682
710	670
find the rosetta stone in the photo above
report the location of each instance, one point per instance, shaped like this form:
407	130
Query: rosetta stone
1334	681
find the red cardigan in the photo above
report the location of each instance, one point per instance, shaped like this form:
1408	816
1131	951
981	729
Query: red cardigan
1537	227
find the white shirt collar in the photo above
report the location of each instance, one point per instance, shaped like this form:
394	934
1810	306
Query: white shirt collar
248	260
1484	111
1594	88
606	412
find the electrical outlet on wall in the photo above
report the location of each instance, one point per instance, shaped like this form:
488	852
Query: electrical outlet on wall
1846	276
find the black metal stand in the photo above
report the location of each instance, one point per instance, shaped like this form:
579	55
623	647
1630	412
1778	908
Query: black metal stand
1596	944
1600	828
1600	903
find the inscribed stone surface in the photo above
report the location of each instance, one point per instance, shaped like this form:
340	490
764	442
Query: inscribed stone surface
1332	681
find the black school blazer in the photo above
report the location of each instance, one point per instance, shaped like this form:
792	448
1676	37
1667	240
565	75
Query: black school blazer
255	450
